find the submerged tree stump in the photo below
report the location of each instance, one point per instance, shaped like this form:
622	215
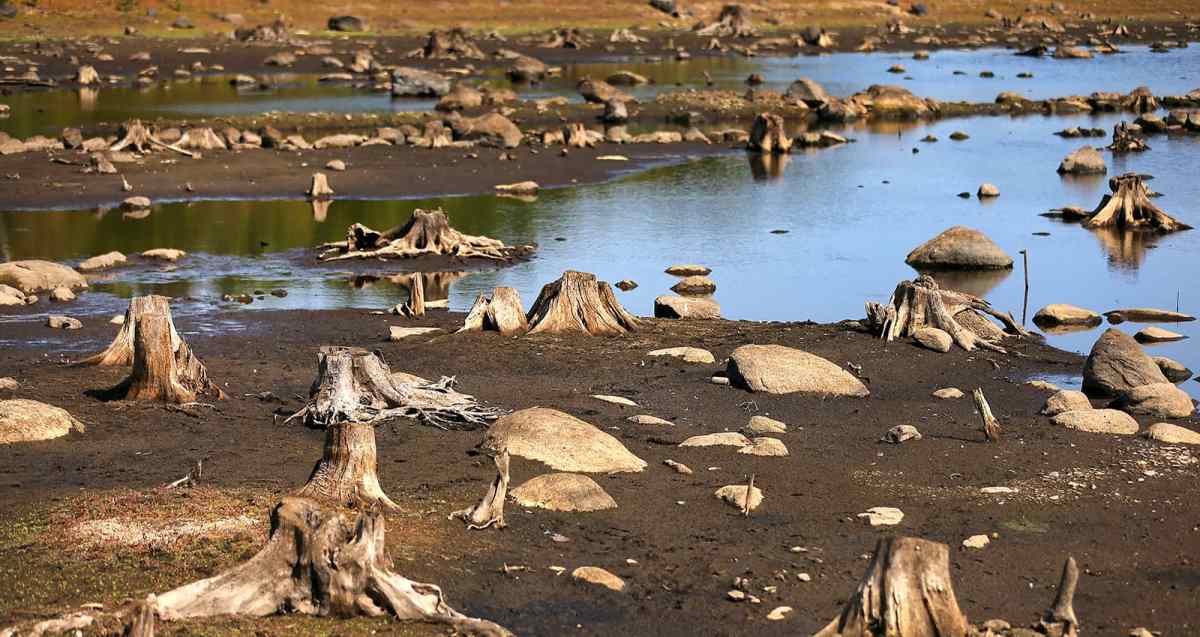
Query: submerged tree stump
579	303
318	188
1129	207
1124	141
164	367
502	313
416	299
906	592
920	303
769	135
427	232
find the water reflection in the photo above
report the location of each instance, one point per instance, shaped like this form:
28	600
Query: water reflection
765	166
977	282
1126	248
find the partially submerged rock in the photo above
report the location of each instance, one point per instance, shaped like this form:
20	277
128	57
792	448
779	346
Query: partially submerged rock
775	369
102	261
412	82
1104	421
1157	335
695	285
29	420
36	276
563	492
1084	161
164	254
1062	314
59	322
560	441
960	248
688	269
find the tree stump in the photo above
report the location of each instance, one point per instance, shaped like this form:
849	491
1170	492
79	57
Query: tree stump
733	21
164	367
769	135
502	313
1059	620
416	299
427	232
319	188
490	510
1124	141
920	303
579	303
451	44
1129	207
576	136
136	136
906	592
120	351
348	472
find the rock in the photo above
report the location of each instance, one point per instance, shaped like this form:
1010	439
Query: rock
519	188
8	383
336	165
459	98
62	295
341	140
599	92
283	58
1101	421
493	128
987	191
164	254
35	276
694	285
1160	400
563	492
600	577
616	400
1175	371
678	467
779	613
645	419
396	333
1061	314
560	441
947	393
1172	434
1042	385
626	78
678	307
901	433
960	248
897	68
347	23
997	490
762	425
721	439
1085	161
775	369
28	421
182	23
12	296
102	261
809	92
933	338
977	541
60	322
410	82
959	136
688	269
686	354
1064	401
1072	53
735	495
1157	335
135	203
882	516
1117	364
1147	315
769	447
527	69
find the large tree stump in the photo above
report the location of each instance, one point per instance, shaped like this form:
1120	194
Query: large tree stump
502	313
427	232
579	303
490	510
1124	141
920	303
769	135
906	592
1129	207
451	44
416	299
164	367
120	351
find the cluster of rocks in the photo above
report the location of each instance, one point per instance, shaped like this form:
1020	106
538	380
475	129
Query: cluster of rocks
695	291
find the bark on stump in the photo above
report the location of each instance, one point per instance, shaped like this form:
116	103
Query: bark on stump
319	188
120	351
416	299
579	303
427	232
906	592
348	472
502	313
920	303
1129	207
769	134
164	367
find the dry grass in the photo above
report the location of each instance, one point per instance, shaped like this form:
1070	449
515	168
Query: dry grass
75	17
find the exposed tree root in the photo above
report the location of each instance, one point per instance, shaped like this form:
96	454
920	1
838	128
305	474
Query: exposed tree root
136	136
490	510
1124	141
502	313
426	232
164	367
919	303
1129	207
578	302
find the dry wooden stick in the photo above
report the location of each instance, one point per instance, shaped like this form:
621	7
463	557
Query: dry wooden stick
991	427
749	491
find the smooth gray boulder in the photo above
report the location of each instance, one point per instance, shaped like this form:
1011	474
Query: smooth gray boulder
775	369
1117	364
959	248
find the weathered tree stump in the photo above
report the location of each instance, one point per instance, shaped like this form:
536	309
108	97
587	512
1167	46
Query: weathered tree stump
451	44
920	303
427	232
1059	620
502	313
164	367
134	135
490	510
1129	207
575	136
769	135
348	472
733	21
579	303
906	592
1124	141
120	351
416	299
319	189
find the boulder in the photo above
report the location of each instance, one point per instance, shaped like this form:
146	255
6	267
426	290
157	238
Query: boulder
600	577
933	338
1085	161
688	269
1172	434
563	492
721	439
695	284
764	446
560	441
493	128
164	254
1157	335
893	102
1064	401
1101	421
59	322
686	354
987	191
678	307
410	82
1117	364
960	248
775	369
8	383
762	425
809	92
599	92
1160	400
1061	314
62	295
346	23
1175	371
459	98
12	296
29	420
735	495
35	276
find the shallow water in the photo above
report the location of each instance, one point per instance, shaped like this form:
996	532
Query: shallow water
1173	73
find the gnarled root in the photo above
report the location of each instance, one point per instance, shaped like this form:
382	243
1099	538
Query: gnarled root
135	135
578	302
425	232
920	303
490	510
502	313
164	367
1129	207
355	385
906	592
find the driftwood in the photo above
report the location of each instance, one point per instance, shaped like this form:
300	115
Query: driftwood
136	136
991	426
502	313
1060	618
427	232
1129	207
164	367
920	303
1124	141
490	510
579	303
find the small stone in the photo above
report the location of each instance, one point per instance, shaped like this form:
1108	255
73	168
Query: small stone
336	165
977	541
882	516
804	577
779	613
679	467
117	319
735	495
616	400
164	254
686	354
947	393
762	425
719	380
722	439
600	577
769	447
736	596
645	419
959	136
901	433
1064	401
626	285
1042	385
997	490
987	191
520	188
60	322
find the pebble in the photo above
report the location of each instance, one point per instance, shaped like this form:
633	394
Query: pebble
679	467
719	380
882	516
997	490
779	613
600	577
336	165
804	577
977	541
947	393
